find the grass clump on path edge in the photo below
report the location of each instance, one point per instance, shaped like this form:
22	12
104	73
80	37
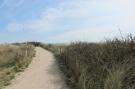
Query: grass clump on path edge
13	59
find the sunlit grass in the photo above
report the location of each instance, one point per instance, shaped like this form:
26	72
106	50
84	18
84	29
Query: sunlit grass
13	59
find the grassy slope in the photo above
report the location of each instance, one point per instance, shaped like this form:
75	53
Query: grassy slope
13	59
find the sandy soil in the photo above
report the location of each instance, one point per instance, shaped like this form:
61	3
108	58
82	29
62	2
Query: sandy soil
43	73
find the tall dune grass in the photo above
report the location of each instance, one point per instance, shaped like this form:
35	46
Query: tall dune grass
108	65
13	59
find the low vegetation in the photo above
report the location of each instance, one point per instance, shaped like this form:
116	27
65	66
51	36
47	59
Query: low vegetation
13	59
107	65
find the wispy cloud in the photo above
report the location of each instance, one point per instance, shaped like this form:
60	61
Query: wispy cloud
93	34
91	17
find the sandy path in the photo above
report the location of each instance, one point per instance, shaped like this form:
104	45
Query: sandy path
43	73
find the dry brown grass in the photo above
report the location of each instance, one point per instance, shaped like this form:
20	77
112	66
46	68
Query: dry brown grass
108	65
13	59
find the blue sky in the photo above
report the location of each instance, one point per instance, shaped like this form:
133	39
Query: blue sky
60	21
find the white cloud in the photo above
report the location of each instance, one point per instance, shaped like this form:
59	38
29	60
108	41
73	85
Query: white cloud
93	34
95	17
86	34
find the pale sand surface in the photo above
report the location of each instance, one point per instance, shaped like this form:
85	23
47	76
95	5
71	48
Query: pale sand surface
42	73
